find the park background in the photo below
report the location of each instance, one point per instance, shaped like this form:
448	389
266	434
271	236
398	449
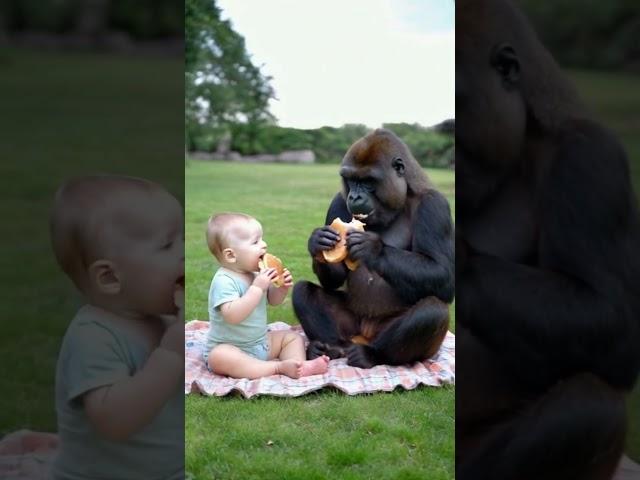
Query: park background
249	93
595	43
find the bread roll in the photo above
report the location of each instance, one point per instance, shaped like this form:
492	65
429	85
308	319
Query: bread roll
339	253
271	261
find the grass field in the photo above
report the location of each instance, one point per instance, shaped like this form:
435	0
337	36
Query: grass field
327	434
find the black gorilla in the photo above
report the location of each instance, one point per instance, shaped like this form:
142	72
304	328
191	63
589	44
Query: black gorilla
548	276
397	298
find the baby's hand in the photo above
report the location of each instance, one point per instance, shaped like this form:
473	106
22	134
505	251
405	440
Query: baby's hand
264	278
173	338
288	278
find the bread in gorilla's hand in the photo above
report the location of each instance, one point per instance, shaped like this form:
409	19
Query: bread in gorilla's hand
339	253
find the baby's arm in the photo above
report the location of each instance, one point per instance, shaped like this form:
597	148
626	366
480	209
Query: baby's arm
125	407
122	409
276	295
236	311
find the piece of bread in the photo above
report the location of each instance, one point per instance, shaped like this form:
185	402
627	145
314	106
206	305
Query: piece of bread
339	253
271	261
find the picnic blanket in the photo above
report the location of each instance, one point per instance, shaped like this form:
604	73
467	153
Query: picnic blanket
438	371
27	455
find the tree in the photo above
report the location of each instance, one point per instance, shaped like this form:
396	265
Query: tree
223	88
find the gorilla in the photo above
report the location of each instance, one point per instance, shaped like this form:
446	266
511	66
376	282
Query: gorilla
547	269
396	300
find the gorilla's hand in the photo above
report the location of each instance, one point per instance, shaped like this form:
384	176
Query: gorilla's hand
321	239
360	356
365	246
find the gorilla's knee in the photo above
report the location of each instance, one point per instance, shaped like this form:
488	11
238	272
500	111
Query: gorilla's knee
301	296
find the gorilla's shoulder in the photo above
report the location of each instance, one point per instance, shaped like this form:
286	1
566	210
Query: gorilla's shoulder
588	141
433	211
590	169
432	201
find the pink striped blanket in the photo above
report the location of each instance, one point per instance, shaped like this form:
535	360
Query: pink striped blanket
438	371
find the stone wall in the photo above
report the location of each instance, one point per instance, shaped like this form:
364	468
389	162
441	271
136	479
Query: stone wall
291	156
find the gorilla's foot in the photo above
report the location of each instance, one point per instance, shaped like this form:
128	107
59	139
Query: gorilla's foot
361	356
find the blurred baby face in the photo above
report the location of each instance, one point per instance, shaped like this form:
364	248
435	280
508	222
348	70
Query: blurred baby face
150	254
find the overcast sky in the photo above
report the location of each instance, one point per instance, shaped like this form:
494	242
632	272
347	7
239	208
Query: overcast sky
352	61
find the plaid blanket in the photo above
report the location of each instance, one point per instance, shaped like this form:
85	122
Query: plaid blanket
439	370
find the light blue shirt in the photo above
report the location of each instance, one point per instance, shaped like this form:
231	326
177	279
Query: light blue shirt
252	331
95	353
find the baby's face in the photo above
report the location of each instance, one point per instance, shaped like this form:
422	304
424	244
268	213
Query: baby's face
150	258
248	245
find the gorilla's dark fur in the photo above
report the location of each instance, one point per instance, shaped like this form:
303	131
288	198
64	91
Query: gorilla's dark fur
548	276
397	298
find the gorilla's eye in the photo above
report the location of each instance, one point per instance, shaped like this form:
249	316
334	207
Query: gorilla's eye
368	184
398	165
365	184
505	60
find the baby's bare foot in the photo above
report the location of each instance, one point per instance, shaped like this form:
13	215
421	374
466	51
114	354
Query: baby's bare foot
290	368
316	366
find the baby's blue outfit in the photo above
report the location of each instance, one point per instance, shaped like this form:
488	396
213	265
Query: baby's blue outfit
250	335
96	353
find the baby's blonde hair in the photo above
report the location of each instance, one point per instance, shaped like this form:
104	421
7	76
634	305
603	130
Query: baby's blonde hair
83	209
220	230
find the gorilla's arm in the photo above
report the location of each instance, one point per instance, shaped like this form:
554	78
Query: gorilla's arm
572	311
332	275
428	269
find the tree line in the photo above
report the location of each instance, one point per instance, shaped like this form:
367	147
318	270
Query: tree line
141	19
589	33
227	100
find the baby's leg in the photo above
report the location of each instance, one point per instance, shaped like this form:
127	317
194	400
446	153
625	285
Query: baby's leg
289	345
286	345
230	360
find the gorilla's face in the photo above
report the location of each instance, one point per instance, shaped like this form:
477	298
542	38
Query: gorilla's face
374	183
491	117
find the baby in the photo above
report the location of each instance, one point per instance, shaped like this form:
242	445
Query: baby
120	371
238	343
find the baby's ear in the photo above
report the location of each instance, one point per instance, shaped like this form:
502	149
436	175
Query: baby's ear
229	255
104	277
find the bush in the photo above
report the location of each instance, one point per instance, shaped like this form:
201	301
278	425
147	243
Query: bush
430	147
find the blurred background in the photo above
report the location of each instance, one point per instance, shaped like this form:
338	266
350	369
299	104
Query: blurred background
87	86
598	44
92	24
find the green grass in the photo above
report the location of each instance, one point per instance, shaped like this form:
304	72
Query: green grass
323	435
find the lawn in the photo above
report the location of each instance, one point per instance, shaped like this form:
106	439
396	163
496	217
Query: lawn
323	435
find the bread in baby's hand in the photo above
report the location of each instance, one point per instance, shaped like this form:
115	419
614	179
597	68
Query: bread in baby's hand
271	261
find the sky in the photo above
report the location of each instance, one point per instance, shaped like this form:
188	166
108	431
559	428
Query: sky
352	61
